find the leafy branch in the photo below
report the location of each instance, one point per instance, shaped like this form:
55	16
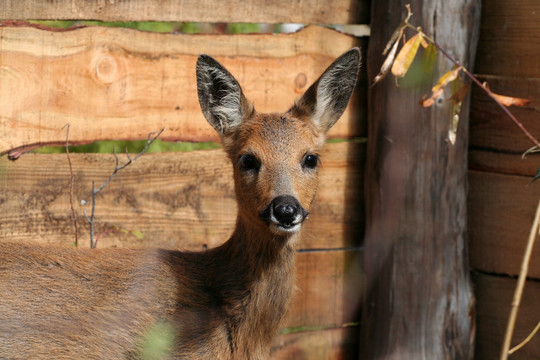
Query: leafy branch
399	66
91	220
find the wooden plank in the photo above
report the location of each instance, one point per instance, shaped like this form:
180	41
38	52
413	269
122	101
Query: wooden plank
122	84
256	11
509	35
419	295
170	200
500	213
335	344
494	297
503	163
491	128
329	287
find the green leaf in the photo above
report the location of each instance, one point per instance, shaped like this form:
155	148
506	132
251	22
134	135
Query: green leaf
429	57
138	234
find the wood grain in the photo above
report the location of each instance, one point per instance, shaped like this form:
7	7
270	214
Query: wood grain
504	163
256	11
509	35
169	200
329	289
111	83
494	297
501	211
419	299
335	344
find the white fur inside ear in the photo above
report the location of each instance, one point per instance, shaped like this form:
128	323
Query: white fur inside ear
333	94
223	94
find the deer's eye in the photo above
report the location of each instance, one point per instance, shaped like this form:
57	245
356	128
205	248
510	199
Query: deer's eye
310	161
248	162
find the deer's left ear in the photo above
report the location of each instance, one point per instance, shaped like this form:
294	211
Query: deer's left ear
326	100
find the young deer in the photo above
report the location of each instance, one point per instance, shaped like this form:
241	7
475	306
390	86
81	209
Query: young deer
224	303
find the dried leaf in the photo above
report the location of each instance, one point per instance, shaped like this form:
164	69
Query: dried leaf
396	35
387	64
394	39
460	93
439	88
427	102
509	101
532	150
406	55
447	78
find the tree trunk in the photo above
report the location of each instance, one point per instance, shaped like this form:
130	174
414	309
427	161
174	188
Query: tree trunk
418	301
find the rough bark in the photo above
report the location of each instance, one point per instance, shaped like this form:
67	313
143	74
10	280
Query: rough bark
418	302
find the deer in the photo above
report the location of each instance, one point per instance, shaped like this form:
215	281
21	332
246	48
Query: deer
223	303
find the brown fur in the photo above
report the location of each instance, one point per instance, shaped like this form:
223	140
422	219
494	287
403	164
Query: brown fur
224	303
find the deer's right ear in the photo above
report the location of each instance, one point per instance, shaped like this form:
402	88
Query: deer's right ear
221	98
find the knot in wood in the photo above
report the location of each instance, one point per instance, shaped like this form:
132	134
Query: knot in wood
300	81
105	68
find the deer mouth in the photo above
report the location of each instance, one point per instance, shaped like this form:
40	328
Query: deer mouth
284	215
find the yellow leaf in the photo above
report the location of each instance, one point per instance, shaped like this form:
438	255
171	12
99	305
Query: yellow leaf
447	78
406	55
439	88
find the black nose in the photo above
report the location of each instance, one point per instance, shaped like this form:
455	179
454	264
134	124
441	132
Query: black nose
285	210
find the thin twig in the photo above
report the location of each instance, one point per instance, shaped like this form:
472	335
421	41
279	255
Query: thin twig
477	82
151	138
92	216
520	285
524	342
71	182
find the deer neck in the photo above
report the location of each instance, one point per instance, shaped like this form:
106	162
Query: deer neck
265	264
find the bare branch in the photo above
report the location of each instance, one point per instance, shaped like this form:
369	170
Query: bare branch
524	342
520	285
71	181
151	138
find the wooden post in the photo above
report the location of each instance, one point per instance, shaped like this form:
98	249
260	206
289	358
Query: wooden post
418	301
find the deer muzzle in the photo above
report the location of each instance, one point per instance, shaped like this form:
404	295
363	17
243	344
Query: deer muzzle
284	215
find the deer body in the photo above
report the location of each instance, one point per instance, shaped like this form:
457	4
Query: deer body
224	303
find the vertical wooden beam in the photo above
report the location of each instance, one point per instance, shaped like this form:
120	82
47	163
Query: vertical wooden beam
418	302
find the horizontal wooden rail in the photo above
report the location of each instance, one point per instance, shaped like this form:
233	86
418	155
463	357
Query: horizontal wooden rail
501	209
494	298
491	129
111	83
335	343
509	35
255	11
169	200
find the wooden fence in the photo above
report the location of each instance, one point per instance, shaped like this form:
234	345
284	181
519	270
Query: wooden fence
112	83
500	204
122	84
